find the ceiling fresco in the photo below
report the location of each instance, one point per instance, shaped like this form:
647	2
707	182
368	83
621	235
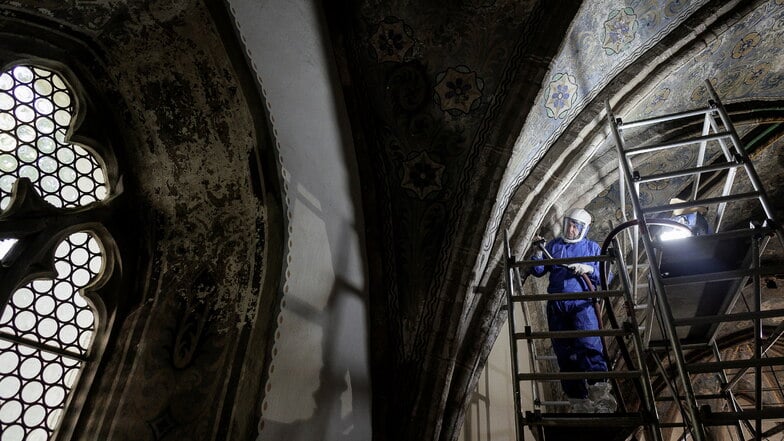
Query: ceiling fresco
453	107
431	80
429	87
604	38
743	62
433	88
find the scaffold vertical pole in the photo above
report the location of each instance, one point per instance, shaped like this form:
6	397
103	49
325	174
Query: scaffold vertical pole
692	411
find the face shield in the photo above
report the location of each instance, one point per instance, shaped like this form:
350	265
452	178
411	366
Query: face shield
574	230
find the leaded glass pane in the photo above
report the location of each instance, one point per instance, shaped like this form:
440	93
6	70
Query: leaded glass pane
47	326
36	108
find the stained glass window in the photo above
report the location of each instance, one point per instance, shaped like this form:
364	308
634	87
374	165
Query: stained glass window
47	324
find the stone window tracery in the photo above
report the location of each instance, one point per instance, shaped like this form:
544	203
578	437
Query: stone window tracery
54	251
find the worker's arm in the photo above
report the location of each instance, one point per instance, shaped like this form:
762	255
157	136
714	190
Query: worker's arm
537	254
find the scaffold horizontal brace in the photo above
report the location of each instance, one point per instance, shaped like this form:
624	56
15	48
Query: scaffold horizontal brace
593	375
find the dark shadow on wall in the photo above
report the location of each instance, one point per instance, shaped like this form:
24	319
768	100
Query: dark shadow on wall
478	406
343	397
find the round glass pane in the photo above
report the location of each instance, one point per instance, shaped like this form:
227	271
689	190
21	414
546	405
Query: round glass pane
85	184
6	101
68	334
7	121
43	285
25	321
9	387
10	411
30	368
53	373
47	328
85	318
63	290
7	142
43	87
61	99
38	434
62	117
44	305
66	312
96	264
23	93
25	133
12	433
47	164
8	362
67	175
27	153
85	339
79	238
79	256
7	183
24	113
81	277
84	166
69	193
6	81
8	163
65	155
46	144
50	184
53	419
34	415
29	172
54	396
32	392
44	125
23	74
44	106
23	297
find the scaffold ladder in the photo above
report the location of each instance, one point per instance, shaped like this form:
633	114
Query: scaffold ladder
523	331
716	128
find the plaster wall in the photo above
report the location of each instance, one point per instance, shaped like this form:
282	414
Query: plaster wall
318	380
490	410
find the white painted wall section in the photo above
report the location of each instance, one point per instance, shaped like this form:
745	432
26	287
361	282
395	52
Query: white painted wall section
318	385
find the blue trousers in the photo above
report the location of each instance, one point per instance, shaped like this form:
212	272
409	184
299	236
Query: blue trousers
583	354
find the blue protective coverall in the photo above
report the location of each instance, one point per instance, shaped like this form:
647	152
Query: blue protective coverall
695	221
574	354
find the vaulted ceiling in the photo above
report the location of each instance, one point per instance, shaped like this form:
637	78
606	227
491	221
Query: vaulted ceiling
468	117
482	116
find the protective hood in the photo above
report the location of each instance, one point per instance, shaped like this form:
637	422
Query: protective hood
575	225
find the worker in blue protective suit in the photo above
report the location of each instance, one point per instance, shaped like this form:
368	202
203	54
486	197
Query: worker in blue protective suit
584	354
692	217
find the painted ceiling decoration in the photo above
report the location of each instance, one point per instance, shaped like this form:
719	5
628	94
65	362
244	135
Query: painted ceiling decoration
743	63
612	39
467	117
426	93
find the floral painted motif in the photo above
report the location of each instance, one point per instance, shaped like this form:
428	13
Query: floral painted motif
560	96
422	175
392	40
458	90
756	73
700	93
660	97
746	44
675	7
619	30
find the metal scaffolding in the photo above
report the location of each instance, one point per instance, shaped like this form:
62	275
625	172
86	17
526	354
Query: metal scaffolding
690	288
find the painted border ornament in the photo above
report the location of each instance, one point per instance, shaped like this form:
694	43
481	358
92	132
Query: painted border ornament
561	95
458	90
422	175
619	30
393	40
